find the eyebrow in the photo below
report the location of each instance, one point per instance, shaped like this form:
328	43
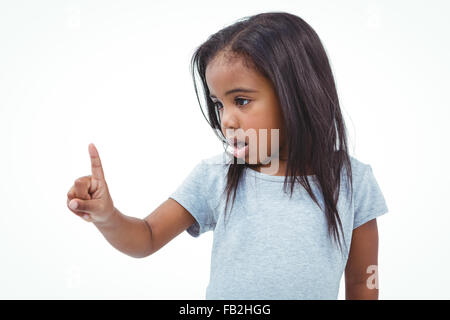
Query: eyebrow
235	90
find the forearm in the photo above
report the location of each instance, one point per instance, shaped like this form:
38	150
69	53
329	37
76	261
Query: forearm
360	291
129	235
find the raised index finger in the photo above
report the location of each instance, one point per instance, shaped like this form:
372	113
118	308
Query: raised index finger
96	164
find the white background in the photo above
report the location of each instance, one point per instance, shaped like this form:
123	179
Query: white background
116	73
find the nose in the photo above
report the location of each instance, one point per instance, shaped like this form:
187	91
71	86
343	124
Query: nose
228	118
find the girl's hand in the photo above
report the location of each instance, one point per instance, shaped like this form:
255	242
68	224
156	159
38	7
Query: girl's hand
89	196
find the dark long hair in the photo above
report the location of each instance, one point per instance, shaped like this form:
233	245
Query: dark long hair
286	50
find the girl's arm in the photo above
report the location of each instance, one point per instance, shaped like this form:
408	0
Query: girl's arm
166	222
140	238
361	271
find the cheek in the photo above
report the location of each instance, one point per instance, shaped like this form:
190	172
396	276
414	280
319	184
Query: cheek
266	129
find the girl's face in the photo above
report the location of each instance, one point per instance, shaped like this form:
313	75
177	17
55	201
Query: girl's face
246	100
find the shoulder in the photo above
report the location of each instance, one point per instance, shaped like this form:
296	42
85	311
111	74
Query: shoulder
369	201
365	184
217	162
217	159
206	176
359	174
214	168
359	168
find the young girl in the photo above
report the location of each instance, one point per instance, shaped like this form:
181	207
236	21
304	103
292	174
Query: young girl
265	74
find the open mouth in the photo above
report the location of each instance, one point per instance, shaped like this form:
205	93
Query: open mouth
240	149
240	144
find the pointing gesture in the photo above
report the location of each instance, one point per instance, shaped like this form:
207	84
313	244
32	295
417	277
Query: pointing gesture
89	197
96	164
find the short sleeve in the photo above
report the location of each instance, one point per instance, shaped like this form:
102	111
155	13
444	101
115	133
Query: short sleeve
369	200
192	194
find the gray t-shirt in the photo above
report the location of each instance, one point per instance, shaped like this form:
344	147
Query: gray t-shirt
273	246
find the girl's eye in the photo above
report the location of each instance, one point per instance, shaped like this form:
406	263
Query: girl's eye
242	99
235	100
